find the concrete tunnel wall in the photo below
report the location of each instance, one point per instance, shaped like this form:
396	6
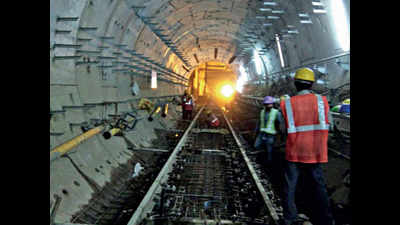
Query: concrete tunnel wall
83	84
77	85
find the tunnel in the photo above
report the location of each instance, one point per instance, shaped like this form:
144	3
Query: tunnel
118	71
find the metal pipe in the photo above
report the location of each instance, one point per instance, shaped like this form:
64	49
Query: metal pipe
110	133
55	208
311	63
67	146
165	110
155	111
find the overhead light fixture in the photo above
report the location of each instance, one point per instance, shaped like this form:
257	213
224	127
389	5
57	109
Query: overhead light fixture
257	62
279	50
317	3
273	17
306	21
319	10
153	79
270	3
303	15
277	11
293	31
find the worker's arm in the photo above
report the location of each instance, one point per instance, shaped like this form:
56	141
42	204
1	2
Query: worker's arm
281	123
281	126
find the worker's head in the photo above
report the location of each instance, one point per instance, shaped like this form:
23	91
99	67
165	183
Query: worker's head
186	92
346	101
268	102
304	79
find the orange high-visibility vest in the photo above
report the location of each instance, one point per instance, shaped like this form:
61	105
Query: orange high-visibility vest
306	118
187	103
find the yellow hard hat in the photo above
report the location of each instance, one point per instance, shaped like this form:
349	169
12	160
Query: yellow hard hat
305	74
346	101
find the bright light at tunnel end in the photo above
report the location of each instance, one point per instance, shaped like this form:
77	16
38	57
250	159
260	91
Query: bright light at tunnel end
227	90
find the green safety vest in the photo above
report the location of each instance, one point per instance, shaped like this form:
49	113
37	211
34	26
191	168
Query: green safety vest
268	128
336	108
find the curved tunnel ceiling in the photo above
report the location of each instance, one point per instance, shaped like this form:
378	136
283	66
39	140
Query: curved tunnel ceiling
232	26
191	22
202	20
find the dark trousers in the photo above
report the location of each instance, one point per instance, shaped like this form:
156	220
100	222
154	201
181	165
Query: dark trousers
292	171
265	141
187	114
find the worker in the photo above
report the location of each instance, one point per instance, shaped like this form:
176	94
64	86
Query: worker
307	122
345	107
268	127
187	105
212	120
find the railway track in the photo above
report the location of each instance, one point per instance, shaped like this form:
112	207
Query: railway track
208	179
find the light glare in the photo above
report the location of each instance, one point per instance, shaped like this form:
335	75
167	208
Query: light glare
227	90
243	78
341	24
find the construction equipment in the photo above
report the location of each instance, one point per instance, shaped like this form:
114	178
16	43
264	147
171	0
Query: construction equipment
126	123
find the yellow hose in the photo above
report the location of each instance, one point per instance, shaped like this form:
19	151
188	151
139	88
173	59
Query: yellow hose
67	146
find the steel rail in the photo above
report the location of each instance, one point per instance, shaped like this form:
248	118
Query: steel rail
260	187
147	202
339	154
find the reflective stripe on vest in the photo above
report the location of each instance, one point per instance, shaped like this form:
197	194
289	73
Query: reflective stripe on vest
321	117
269	128
214	120
188	102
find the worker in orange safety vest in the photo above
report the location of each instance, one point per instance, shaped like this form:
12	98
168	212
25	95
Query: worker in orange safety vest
187	105
307	121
